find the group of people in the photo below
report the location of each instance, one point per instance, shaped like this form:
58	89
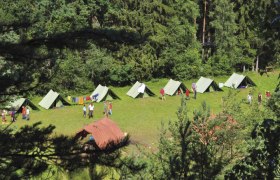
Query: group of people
179	92
260	98
25	111
5	113
108	109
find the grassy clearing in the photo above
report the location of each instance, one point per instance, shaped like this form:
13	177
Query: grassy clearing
142	118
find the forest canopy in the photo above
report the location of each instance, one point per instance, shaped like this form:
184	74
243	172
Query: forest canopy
72	45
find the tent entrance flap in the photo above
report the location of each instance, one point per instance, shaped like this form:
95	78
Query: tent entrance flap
31	105
59	103
109	98
145	94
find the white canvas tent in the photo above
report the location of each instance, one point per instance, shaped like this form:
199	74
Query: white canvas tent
52	99
139	90
17	104
172	87
206	85
238	81
103	93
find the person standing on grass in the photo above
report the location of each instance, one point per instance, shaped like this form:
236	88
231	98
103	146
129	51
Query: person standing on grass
110	108
27	113
3	115
194	90
250	98
91	108
179	91
84	111
259	98
267	94
105	108
23	112
187	94
13	115
162	94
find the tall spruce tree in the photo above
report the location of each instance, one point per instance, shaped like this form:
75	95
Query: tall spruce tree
166	31
257	37
223	21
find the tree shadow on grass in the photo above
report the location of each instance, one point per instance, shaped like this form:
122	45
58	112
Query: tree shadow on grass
32	150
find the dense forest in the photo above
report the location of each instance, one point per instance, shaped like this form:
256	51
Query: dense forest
71	45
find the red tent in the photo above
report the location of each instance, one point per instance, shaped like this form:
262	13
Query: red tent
104	132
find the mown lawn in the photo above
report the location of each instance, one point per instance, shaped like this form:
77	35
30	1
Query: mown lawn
142	118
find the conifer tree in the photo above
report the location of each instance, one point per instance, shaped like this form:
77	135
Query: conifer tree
223	21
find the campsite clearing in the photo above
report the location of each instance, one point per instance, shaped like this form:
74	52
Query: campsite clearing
142	117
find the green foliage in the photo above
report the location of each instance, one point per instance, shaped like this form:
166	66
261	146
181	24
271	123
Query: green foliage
214	138
97	65
193	150
256	36
33	151
117	42
263	149
274	104
224	23
122	74
70	74
262	160
166	29
173	159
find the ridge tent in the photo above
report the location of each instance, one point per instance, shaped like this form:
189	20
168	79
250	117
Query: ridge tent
139	90
103	93
17	104
53	99
104	132
172	87
206	85
238	81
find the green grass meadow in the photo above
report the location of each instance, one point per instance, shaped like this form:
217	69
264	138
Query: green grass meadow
142	118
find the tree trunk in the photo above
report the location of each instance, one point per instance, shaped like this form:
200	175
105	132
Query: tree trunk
194	21
204	27
204	22
244	68
257	64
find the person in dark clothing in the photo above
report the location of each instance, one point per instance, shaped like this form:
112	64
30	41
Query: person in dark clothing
194	90
259	98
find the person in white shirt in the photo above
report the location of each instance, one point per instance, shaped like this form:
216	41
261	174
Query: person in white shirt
91	108
84	111
250	97
27	113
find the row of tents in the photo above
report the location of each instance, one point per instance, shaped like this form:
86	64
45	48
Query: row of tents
202	85
138	90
